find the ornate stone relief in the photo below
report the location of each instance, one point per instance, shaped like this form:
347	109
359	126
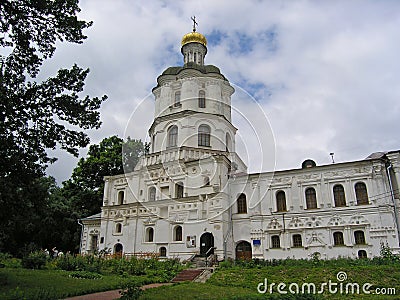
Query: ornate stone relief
336	221
295	222
313	222
274	224
314	240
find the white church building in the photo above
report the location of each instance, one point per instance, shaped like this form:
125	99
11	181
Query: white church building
192	195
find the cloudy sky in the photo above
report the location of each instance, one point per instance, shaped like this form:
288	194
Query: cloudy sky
325	73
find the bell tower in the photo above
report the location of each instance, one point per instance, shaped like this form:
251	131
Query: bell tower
193	107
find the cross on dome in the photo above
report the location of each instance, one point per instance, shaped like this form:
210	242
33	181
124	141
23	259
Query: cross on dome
194	23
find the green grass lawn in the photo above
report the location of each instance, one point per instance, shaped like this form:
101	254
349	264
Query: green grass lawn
230	282
51	284
241	283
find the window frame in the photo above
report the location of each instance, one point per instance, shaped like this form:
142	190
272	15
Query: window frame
339	195
359	237
120	199
152	193
202	99
177	99
172	136
204	136
118	228
299	242
363	255
161	250
275	242
241	203
311	198
178	233
338	238
149	237
179	189
281	201
361	191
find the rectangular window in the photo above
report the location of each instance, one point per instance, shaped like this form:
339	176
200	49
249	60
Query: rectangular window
276	243
297	241
93	243
202	99
204	139
179	190
177	99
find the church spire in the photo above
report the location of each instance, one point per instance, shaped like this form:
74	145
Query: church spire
194	46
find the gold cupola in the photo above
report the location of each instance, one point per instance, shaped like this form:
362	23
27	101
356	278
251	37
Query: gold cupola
194	37
194	46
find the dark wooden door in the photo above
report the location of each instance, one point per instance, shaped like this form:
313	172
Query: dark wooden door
243	251
206	242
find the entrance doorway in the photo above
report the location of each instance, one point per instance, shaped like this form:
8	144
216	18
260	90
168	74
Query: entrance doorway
206	242
243	251
118	249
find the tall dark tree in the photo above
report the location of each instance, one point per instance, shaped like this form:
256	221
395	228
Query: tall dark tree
34	116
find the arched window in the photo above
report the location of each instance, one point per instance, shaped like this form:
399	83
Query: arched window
361	193
204	135
362	254
297	242
118	228
338	238
163	252
281	201
241	204
228	143
178	233
339	196
275	241
177	99
152	193
202	99
121	195
311	198
179	190
153	142
172	136
149	234
359	237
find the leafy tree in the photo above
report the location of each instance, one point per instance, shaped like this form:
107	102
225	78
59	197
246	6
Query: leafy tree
35	116
86	186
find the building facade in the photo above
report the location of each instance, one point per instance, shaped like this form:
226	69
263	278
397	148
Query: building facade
191	194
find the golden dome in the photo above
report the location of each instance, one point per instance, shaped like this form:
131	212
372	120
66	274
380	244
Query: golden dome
194	37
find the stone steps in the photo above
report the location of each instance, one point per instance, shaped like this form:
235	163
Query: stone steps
187	275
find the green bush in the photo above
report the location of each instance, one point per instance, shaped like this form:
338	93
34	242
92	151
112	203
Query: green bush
7	261
88	263
131	291
3	279
34	260
156	270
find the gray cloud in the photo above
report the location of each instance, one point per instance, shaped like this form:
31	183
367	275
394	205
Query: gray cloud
327	80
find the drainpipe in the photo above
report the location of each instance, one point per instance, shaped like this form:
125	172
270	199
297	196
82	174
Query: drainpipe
230	222
136	229
396	213
80	242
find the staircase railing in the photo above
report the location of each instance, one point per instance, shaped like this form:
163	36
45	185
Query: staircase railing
207	254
